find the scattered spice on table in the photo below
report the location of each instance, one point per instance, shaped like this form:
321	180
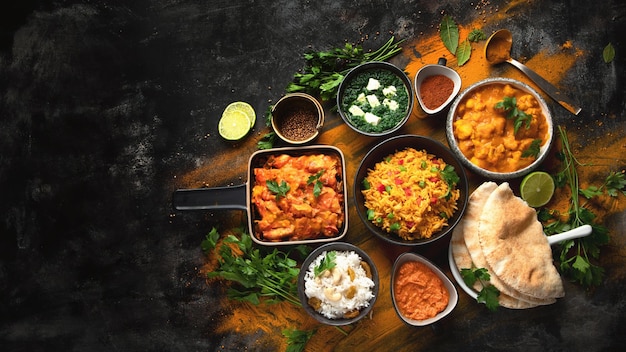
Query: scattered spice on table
435	90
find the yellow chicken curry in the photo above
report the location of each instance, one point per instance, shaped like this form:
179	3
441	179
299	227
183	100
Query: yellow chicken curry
488	138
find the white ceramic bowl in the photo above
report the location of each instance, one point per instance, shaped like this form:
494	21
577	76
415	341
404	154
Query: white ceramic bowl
434	70
493	175
453	295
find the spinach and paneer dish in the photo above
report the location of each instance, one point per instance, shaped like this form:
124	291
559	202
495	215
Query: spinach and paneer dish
375	100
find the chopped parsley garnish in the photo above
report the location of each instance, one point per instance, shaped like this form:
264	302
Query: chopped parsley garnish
280	190
327	263
509	105
317	184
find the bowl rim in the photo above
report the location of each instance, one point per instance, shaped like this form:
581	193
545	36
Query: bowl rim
337	246
376	65
433	70
500	176
413	140
305	97
453	295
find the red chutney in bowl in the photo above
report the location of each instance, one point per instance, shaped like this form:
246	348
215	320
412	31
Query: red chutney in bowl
419	293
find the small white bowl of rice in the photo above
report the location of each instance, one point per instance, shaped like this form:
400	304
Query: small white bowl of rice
338	284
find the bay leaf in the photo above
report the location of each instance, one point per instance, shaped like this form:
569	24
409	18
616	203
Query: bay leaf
463	52
449	33
608	54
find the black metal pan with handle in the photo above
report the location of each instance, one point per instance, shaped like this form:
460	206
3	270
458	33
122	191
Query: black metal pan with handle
241	196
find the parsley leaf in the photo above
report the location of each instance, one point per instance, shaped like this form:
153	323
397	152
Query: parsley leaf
317	184
509	105
450	177
476	35
327	263
489	294
280	190
533	150
260	274
297	339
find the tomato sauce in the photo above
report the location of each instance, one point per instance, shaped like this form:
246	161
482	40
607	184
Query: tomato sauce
419	292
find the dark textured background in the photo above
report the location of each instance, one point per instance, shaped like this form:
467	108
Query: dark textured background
105	105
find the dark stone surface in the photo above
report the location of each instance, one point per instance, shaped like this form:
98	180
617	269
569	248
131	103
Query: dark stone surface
104	104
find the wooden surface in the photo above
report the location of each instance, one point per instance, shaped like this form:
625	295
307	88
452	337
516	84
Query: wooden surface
107	108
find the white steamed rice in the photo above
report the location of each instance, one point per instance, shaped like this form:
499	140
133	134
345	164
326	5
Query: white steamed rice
315	287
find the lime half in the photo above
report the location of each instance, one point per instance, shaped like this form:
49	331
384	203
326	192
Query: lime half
537	188
234	125
243	107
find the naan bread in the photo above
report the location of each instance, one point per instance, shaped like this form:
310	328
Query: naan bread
466	251
515	247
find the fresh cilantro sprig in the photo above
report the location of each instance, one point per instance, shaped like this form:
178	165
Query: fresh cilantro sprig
279	189
327	263
509	105
450	176
578	257
533	150
489	294
324	70
317	184
297	339
260	274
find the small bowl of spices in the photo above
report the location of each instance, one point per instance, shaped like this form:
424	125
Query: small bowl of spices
297	118
436	86
422	294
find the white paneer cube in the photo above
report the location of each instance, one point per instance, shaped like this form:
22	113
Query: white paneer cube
356	111
371	118
373	100
389	91
361	98
373	84
391	104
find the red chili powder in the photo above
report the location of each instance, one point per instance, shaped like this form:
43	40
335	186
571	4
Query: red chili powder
435	90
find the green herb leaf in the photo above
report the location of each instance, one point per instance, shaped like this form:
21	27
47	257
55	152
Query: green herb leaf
463	52
327	263
509	105
451	178
449	33
488	295
210	241
533	150
366	184
317	184
476	35
267	141
271	276
608	54
297	339
575	257
615	183
280	190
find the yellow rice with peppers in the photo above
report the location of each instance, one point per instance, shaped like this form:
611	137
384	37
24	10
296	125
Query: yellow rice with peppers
411	193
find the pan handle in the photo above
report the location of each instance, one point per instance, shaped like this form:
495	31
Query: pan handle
217	198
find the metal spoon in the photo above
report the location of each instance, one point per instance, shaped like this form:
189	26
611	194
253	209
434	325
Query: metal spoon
498	50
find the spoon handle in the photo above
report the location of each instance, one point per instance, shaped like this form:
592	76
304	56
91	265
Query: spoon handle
547	87
577	232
